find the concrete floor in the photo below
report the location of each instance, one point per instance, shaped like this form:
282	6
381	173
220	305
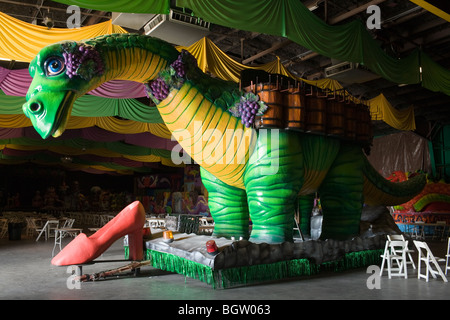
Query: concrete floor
26	273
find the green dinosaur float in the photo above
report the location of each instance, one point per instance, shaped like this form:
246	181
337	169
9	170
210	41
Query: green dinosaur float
249	174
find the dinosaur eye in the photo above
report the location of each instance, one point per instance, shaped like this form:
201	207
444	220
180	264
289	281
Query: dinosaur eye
54	66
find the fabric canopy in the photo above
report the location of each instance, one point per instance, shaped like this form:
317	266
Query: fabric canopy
291	19
346	42
22	41
210	59
144	138
381	109
135	6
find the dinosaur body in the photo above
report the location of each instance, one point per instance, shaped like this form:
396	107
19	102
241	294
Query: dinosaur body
257	175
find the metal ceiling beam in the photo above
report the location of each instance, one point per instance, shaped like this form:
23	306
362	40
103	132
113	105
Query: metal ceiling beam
273	48
47	8
311	54
354	11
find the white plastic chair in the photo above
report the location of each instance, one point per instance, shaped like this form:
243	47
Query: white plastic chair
395	254
401	237
428	258
47	229
439	230
3	227
447	257
68	223
419	230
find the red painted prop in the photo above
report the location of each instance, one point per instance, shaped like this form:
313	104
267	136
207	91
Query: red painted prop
84	249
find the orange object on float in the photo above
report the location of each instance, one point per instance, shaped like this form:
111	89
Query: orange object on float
211	246
168	236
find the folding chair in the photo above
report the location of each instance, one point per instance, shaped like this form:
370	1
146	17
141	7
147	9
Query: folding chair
427	257
401	237
419	230
447	257
47	229
395	254
3	227
439	230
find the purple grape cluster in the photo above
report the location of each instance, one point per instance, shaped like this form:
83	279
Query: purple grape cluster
159	89
178	66
80	55
248	110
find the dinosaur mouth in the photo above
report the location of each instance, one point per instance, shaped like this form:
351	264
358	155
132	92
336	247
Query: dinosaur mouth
49	111
63	114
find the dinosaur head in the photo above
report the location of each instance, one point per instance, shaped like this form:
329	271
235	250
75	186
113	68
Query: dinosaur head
61	73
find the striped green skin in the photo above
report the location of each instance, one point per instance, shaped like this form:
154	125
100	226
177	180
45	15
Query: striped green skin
341	194
228	206
272	197
305	207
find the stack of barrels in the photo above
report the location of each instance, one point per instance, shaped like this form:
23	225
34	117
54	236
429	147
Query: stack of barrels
295	105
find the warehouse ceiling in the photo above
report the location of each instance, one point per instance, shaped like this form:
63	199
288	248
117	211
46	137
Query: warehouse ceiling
405	27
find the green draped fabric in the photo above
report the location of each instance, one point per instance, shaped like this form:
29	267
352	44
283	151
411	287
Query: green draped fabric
93	106
135	6
347	42
84	144
49	159
433	76
291	19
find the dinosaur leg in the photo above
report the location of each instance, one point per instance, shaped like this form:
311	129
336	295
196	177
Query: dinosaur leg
305	206
341	195
273	179
228	206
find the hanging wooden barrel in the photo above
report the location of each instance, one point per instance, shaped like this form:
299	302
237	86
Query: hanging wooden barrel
335	117
315	109
350	121
273	98
363	123
294	101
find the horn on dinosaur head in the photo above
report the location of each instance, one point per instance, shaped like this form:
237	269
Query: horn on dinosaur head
61	72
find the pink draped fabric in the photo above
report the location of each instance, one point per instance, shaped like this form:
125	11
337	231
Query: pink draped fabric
145	139
17	82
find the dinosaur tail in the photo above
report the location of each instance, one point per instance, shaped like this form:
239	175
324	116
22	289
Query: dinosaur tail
380	191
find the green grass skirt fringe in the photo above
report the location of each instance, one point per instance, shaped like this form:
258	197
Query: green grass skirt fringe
226	278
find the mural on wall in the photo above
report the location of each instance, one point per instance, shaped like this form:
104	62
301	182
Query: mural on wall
432	204
254	173
154	181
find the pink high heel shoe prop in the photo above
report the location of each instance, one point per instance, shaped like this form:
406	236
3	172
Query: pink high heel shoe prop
130	221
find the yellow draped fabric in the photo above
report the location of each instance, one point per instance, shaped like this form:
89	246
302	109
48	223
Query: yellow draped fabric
433	9
211	59
381	109
15	33
22	41
108	123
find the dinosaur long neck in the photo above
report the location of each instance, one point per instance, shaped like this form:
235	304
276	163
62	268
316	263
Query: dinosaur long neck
140	65
211	136
132	57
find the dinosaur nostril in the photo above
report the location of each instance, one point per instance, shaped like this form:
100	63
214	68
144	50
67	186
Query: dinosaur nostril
35	107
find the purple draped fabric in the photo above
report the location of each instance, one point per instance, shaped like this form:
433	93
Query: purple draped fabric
17	82
8	133
87	157
144	139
